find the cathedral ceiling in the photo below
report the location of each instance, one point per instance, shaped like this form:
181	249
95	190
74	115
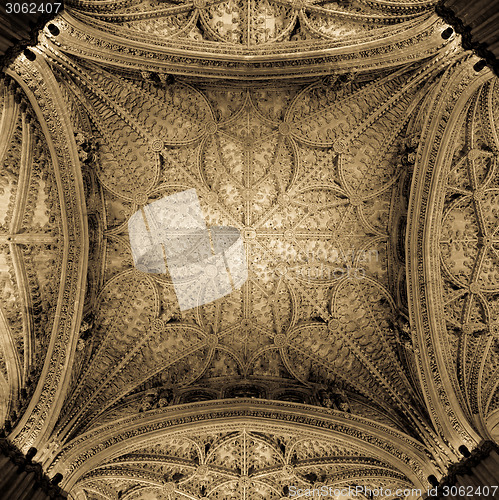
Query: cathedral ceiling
315	173
463	242
30	250
313	176
319	225
240	464
470	251
249	25
249	39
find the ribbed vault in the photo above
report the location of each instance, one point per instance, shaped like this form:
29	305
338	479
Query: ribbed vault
274	446
249	39
31	251
354	353
464	254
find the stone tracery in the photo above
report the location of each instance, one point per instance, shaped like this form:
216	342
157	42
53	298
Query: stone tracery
31	251
264	39
240	464
289	213
313	173
469	252
252	23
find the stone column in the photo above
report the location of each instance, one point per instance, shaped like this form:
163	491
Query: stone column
477	22
22	479
472	478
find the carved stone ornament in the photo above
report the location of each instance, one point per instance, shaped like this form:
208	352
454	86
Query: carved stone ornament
259	39
354	151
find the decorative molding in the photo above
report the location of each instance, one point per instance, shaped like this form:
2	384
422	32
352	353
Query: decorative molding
443	112
91	448
40	86
131	52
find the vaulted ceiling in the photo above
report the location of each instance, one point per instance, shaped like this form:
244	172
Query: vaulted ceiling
353	148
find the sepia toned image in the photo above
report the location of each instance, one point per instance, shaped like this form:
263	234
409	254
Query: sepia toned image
249	250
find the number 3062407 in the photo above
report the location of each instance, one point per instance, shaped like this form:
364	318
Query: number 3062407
32	8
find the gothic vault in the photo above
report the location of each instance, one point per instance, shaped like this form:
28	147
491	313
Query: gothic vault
355	147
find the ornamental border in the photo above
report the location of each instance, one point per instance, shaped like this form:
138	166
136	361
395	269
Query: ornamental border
38	82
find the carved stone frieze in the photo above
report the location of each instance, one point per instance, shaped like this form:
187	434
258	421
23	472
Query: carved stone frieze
262	39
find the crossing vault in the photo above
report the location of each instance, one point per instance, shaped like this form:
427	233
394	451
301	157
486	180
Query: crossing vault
354	146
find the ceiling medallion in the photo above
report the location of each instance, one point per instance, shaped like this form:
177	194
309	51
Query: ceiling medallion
494	329
281	269
245	329
340	147
355	200
484	241
211	128
169	488
211	271
333	325
284	128
245	324
157	145
140	270
211	197
478	195
467	328
280	340
158	325
244	481
247	144
141	198
247	194
202	470
249	234
212	340
284	200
